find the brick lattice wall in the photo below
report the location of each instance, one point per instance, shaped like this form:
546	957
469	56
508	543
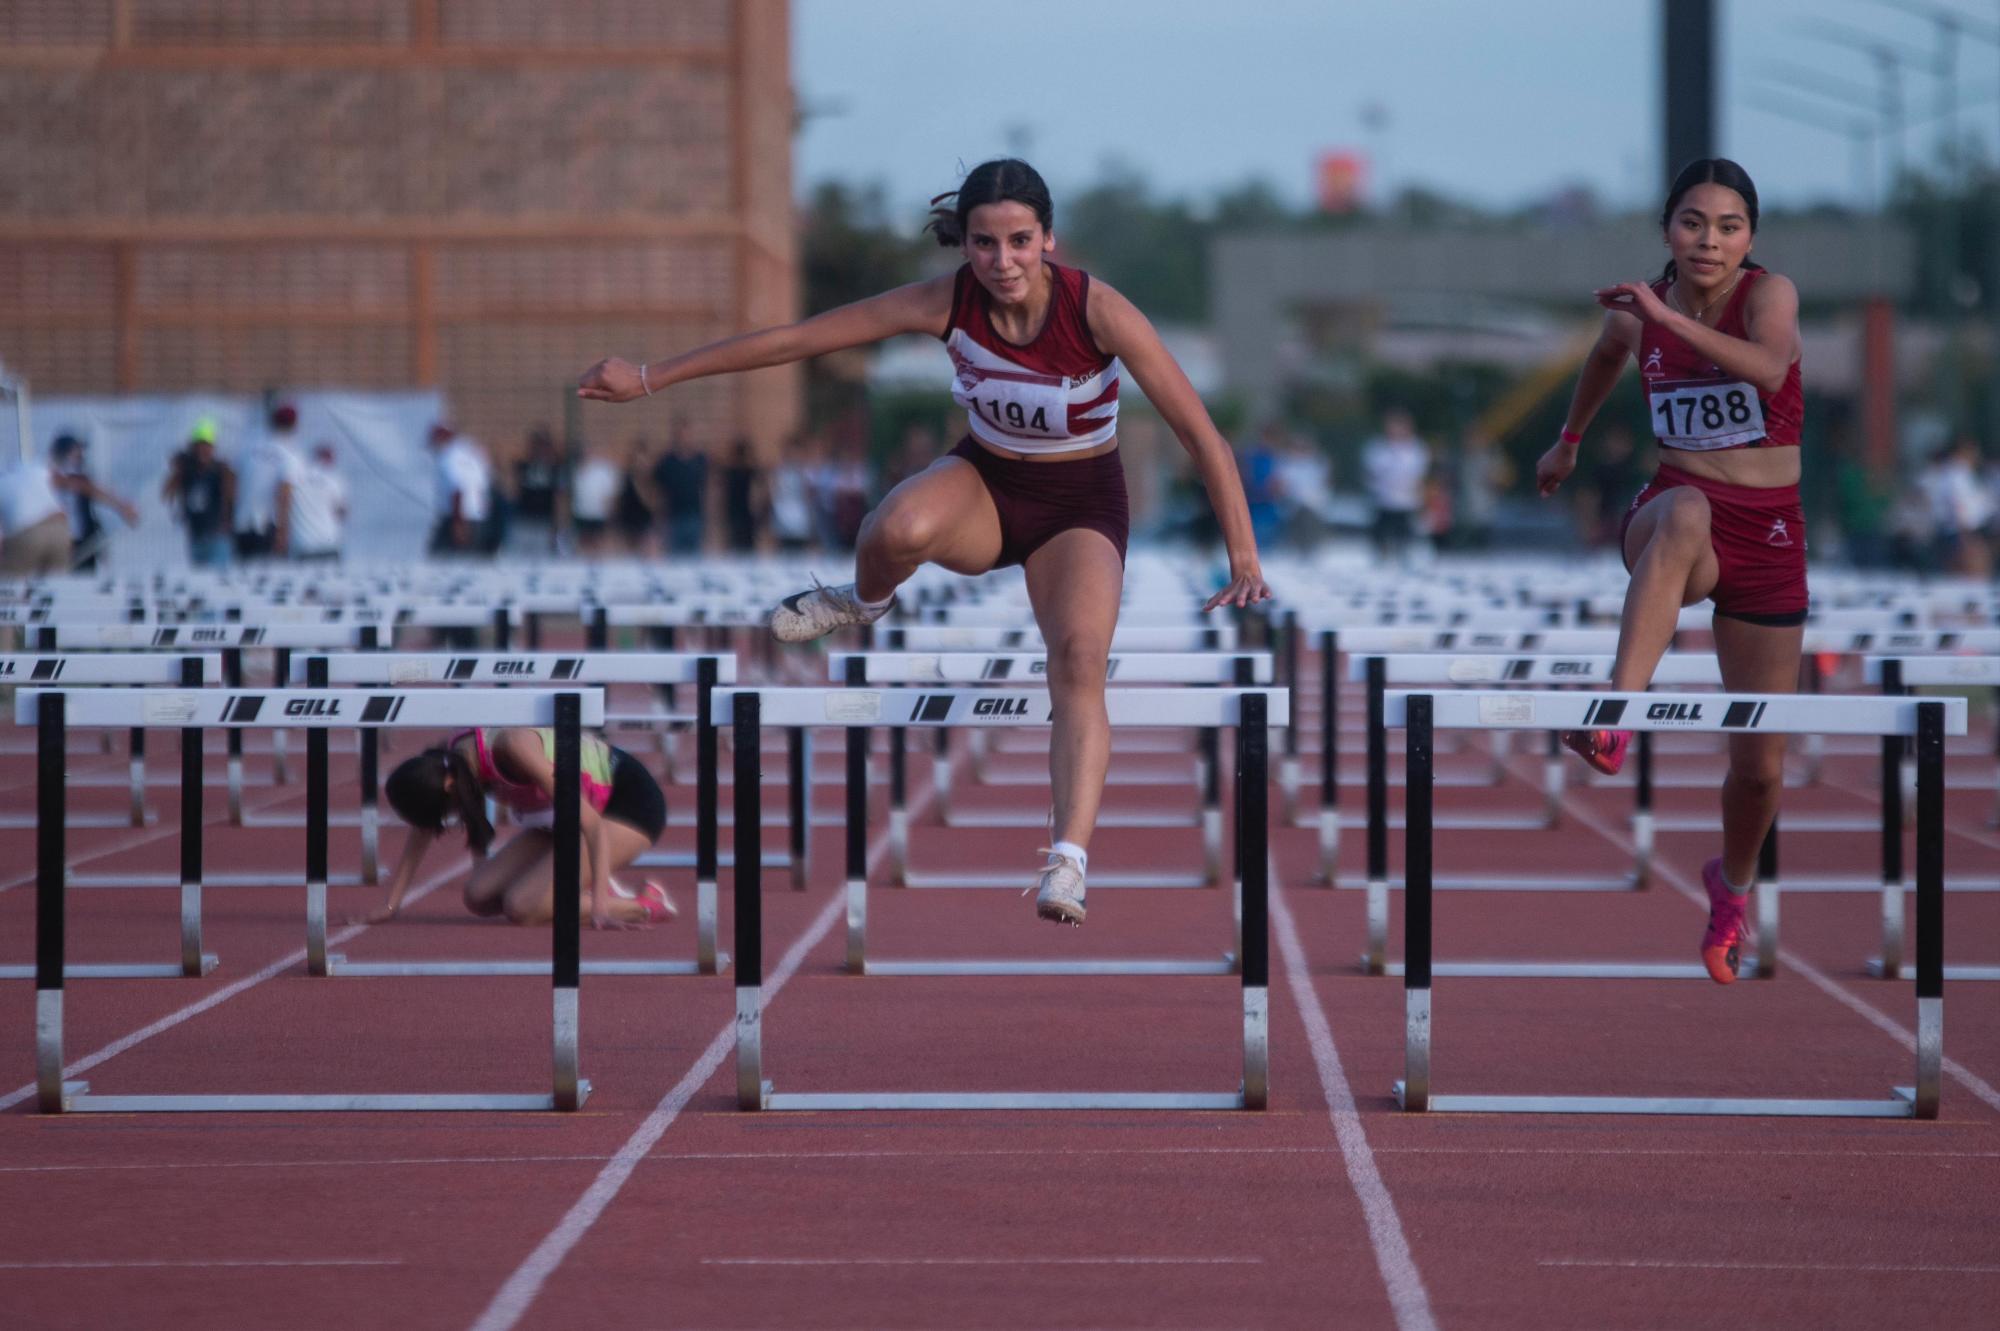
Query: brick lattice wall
481	195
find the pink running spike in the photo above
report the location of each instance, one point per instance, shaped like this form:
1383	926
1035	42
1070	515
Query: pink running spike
1722	944
1603	749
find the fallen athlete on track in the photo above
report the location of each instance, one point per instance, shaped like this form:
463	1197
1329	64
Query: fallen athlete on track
623	814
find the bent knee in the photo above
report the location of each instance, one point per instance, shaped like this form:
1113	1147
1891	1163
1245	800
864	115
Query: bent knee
1074	664
483	903
1685	524
1758	778
901	530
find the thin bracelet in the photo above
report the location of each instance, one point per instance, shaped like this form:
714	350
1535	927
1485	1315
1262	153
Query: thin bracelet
1569	438
642	379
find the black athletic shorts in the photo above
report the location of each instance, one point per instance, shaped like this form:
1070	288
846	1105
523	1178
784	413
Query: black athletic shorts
636	799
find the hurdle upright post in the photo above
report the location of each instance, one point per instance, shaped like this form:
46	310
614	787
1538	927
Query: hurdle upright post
798	802
51	852
1374	961
1288	769
567	929
1414	1091
854	670
232	678
193	781
1768	897
1890	965
747	724
1253	858
371	783
1642	813
1930	908
281	675
1329	757
706	780
317	818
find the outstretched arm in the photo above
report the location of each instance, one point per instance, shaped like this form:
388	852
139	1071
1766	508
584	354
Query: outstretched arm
1601	368
1122	331
415	846
1770	316
921	307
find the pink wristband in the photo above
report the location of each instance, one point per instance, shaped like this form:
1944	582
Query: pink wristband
1569	438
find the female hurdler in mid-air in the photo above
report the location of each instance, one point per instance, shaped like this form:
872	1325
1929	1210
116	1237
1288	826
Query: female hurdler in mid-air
1717	337
1037	351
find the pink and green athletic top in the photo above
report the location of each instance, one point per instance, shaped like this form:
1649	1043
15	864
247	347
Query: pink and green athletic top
526	801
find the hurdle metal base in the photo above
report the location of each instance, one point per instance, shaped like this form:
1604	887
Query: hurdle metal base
1029	1100
117	970
1010	818
337	964
1523	883
1227	965
1570	970
90	820
286	877
1804	822
1903	1106
77	1100
1976	973
921	880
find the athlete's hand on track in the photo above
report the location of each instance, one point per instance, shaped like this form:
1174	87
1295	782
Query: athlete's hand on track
1244	589
1554	467
611	380
380	915
1635	298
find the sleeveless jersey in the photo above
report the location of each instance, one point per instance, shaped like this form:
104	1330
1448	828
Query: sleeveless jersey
1057	394
1699	407
527	803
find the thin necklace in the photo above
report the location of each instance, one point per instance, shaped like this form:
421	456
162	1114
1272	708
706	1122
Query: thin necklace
1698	316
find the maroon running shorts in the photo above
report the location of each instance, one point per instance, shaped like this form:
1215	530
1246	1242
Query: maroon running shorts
1759	536
1040	500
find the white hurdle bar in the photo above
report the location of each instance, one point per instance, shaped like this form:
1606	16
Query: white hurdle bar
861	669
539	670
1421	715
134	669
1250	711
53	711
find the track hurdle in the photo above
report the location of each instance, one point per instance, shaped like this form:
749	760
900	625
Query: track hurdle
1250	711
1421	715
192	671
552	670
54	711
33	668
899	669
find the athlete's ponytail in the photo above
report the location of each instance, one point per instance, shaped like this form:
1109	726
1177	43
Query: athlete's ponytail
1710	171
1001	180
416	791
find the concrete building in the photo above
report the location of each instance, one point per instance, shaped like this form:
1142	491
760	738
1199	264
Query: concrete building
481	196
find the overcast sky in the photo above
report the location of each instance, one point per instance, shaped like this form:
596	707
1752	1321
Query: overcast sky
1495	102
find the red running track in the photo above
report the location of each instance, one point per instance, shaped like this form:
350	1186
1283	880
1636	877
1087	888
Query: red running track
660	1205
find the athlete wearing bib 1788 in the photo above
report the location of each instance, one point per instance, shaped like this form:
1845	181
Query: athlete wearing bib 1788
1038	351
1717	339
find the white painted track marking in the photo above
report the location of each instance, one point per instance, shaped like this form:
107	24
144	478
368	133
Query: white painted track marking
1407	1298
222	995
1857	1268
512	1300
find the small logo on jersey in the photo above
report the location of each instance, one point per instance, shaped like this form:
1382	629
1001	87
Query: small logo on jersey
1780	534
1653	368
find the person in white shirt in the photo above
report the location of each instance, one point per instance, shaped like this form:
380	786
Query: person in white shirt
1395	464
269	470
593	491
1961	508
35	519
319	508
464	493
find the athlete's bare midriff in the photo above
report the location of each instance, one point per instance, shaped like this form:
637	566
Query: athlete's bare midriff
1077	455
1758	468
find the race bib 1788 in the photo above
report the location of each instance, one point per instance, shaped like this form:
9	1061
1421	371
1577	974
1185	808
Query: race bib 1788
1705	415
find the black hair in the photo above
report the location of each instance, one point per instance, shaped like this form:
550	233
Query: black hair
1710	171
64	445
1001	180
416	791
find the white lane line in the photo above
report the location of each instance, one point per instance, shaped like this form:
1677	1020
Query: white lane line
1407	1299
1819	979
198	1265
982	1261
222	995
511	1301
1856	1268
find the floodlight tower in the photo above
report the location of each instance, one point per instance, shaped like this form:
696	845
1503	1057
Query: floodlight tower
1688	82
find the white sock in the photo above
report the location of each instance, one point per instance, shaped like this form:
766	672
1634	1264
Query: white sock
1734	890
1075	852
872	607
